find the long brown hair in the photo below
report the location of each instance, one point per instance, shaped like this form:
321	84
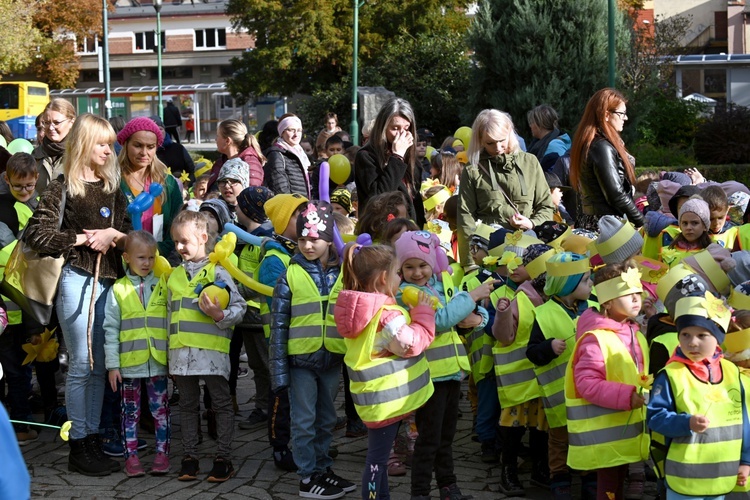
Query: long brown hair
593	122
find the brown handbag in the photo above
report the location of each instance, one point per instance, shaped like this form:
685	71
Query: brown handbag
31	279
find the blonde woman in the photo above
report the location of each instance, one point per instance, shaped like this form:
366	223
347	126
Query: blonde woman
502	184
57	120
140	167
234	141
94	222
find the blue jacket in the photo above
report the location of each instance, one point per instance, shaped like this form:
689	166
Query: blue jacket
279	360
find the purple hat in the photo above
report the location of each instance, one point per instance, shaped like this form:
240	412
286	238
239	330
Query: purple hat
137	125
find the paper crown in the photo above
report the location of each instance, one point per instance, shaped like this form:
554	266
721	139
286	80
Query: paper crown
707	306
626	283
670	280
737	341
515	239
713	271
538	266
620	238
558	242
436	199
570	268
739	300
484	231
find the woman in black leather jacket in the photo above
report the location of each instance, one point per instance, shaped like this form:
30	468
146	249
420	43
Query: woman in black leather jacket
600	167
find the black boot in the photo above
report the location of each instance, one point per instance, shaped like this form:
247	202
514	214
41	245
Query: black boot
82	460
95	443
489	452
588	486
509	482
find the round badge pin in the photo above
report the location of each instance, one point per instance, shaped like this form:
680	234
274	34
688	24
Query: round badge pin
105	212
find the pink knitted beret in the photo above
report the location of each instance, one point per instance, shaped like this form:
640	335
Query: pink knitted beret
137	125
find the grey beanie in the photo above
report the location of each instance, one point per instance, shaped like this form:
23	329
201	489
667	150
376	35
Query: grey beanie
609	226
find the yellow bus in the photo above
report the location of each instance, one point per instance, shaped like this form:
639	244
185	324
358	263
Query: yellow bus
20	103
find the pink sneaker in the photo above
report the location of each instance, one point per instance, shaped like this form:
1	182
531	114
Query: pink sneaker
133	467
161	465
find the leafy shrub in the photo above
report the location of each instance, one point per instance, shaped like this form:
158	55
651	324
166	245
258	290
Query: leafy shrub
717	173
649	155
723	138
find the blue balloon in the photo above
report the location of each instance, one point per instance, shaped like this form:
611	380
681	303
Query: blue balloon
242	235
143	202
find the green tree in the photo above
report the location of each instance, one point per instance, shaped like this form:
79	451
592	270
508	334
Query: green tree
530	52
304	46
20	37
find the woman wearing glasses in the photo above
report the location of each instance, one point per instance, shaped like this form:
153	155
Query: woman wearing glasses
287	169
57	120
139	169
600	167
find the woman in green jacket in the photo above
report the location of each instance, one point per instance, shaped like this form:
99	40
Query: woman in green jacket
502	184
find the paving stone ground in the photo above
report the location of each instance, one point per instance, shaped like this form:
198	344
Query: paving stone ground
257	478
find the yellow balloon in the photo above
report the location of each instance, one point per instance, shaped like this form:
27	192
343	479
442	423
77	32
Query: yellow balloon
429	152
340	168
222	251
162	267
464	135
216	292
462	157
410	296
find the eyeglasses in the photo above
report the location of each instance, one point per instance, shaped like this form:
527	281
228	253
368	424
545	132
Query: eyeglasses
294	130
26	187
229	182
621	114
54	123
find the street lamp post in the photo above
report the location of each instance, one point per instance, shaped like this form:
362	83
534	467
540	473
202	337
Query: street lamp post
611	45
354	127
157	8
105	49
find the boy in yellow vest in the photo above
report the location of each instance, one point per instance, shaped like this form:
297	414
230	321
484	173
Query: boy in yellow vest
135	349
200	330
698	404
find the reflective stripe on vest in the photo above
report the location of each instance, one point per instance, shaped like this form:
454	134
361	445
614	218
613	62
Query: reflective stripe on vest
555	323
706	462
23	213
143	331
311	328
385	387
447	354
516	381
602	437
265	309
480	344
189	326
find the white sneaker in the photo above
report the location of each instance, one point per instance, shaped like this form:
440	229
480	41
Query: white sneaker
317	487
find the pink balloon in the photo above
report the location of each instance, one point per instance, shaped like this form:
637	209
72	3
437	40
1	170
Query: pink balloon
323	184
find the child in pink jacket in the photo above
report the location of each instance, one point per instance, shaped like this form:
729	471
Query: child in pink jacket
385	346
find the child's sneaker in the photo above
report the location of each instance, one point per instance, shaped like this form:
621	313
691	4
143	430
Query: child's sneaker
452	492
27	436
112	443
160	465
221	471
189	469
331	478
317	487
133	467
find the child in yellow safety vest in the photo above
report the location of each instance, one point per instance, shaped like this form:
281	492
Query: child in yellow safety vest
699	406
550	345
306	350
517	387
424	265
385	347
135	349
603	382
695	221
200	330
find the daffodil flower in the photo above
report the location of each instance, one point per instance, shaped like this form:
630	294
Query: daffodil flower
632	278
185	177
715	307
510	260
645	381
490	260
65	430
514	238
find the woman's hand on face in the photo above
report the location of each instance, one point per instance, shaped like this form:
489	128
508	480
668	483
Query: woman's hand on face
100	240
522	222
401	144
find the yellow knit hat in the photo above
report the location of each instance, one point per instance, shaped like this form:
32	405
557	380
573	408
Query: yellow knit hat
280	208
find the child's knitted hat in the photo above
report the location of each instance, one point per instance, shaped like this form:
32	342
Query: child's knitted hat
553	233
316	221
235	169
699	207
618	240
424	246
343	197
707	311
564	272
280	209
535	259
690	284
251	200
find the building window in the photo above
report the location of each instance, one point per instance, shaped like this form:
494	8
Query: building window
116	75
210	38
90	75
226	71
145	41
87	45
173	73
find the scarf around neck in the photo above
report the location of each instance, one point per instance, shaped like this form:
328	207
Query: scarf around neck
295	150
53	149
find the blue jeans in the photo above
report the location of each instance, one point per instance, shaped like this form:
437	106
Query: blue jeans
84	388
313	417
488	409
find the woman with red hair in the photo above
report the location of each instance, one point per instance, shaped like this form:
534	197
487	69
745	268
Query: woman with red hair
601	169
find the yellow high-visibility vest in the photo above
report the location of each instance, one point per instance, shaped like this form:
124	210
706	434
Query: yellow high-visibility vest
265	309
143	330
385	387
24	213
447	354
480	344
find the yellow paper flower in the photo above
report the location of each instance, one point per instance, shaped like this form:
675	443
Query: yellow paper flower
632	278
714	306
490	261
44	351
668	255
185	177
645	381
169	170
513	238
717	396
510	260
65	430
434	227
427	184
656	274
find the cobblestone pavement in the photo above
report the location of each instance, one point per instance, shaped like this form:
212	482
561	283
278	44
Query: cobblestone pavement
257	477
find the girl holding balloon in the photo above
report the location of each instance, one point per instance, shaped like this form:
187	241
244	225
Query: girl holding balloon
141	172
